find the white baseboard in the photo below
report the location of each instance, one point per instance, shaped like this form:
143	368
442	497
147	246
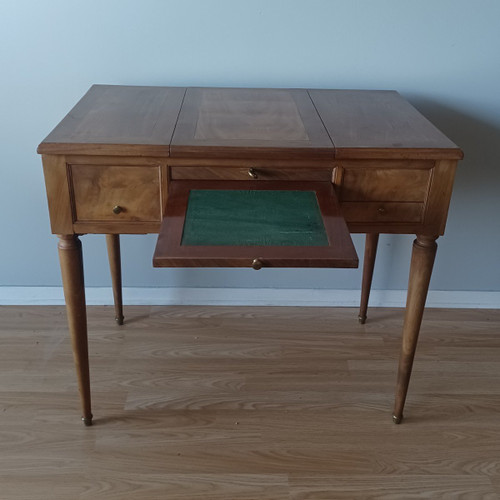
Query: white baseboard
248	296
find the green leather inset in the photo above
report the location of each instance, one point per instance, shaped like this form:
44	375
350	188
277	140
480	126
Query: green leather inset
253	218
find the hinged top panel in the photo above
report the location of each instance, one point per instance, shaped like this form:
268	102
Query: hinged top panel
118	120
250	123
379	124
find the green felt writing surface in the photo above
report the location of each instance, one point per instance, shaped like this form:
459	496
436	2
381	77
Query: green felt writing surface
253	218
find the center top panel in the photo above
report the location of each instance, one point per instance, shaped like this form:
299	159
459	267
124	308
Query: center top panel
249	123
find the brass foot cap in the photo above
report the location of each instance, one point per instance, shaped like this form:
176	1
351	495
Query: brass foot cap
119	320
397	420
87	421
362	319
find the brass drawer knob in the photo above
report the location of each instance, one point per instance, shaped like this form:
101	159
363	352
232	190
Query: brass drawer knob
257	264
117	209
382	210
252	173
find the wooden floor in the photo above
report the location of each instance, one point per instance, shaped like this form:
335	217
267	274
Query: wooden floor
249	403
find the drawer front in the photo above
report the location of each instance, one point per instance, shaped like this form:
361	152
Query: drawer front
256	173
385	184
116	193
381	212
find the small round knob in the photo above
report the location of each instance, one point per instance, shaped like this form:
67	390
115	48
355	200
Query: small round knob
117	209
252	173
257	264
382	210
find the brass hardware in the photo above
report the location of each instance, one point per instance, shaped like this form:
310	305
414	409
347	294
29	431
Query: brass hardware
252	173
117	209
362	319
382	210
397	420
257	264
87	421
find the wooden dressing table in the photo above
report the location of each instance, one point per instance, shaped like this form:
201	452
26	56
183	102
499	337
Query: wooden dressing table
248	178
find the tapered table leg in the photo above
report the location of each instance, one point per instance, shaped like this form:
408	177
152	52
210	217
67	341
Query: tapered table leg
70	257
371	243
422	260
113	244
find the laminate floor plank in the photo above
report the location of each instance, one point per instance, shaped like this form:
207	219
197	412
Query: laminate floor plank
325	487
249	403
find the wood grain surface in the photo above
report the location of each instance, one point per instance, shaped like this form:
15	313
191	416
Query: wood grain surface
118	120
98	189
249	123
385	184
249	403
252	172
379	124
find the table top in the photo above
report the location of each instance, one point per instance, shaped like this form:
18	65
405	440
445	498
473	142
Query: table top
247	123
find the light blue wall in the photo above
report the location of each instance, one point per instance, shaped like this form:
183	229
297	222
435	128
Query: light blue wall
443	55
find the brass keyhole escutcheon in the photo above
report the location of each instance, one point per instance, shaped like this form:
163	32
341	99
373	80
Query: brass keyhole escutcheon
252	173
117	209
257	264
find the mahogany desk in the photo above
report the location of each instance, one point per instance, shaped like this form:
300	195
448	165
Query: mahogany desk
128	160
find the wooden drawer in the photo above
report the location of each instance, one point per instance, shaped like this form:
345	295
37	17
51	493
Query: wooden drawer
115	193
383	212
257	173
386	182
